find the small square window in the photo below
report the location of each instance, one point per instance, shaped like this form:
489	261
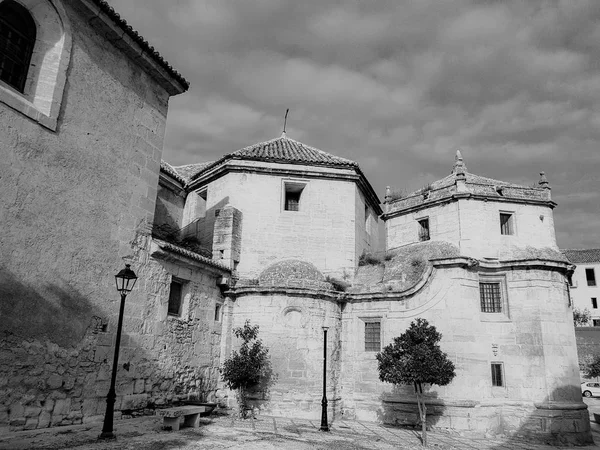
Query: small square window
491	297
217	312
372	336
594	303
293	196
497	374
596	322
590	277
175	298
423	229
506	224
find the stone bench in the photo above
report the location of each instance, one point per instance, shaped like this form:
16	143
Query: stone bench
172	416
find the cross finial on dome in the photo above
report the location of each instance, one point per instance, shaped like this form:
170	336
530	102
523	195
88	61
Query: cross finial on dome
459	166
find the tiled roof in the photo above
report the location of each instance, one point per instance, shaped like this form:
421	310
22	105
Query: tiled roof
284	150
582	256
170	170
122	23
192	255
189	170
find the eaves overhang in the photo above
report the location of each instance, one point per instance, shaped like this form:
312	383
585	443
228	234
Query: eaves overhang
305	170
166	251
109	25
467	196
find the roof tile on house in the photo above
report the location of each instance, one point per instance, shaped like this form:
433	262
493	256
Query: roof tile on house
582	256
284	150
189	170
170	170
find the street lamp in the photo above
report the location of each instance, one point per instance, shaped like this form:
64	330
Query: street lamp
324	426
125	281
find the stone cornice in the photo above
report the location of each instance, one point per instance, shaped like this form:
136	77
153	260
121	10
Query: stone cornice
391	295
465	195
303	171
284	290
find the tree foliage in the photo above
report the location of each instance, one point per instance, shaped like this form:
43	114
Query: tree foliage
247	367
592	369
581	317
416	358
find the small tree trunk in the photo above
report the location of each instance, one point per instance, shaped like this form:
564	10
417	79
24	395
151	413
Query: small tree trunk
422	412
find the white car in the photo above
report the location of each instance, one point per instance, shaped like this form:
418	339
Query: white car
590	389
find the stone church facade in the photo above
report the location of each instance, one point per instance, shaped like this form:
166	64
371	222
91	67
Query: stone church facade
278	233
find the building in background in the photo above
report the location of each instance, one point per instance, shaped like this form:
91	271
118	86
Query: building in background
585	281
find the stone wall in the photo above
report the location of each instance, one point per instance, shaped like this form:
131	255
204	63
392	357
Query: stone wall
162	358
291	328
169	207
75	200
322	232
534	341
474	226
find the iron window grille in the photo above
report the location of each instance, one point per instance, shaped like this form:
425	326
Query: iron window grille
372	336
491	297
17	38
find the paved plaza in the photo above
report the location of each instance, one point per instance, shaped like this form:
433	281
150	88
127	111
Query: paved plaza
262	433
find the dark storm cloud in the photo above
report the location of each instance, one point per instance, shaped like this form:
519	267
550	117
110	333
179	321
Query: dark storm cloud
396	85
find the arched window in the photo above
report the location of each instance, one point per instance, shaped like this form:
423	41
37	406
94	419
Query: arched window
17	38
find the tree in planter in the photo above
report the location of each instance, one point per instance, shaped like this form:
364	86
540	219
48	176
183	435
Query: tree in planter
592	369
581	317
415	358
250	367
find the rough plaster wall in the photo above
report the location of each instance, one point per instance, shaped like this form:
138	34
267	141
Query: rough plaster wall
443	226
321	233
169	208
480	228
477	233
581	293
290	327
536	345
73	202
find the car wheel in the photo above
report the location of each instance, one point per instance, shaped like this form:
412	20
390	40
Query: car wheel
587	394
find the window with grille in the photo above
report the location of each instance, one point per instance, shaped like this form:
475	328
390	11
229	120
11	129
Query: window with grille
596	322
17	38
293	196
497	375
372	336
423	230
491	297
506	224
175	298
590	277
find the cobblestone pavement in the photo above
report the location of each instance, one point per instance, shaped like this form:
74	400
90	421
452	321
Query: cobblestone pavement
263	433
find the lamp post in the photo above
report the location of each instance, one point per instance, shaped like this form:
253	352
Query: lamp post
324	426
125	281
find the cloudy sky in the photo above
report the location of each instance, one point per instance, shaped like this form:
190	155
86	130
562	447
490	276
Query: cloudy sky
397	86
